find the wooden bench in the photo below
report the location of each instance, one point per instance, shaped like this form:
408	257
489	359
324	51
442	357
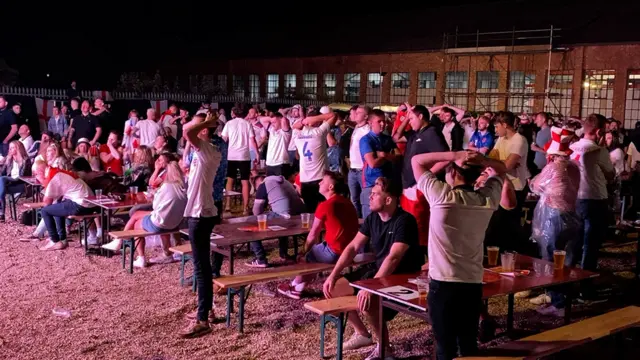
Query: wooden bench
566	337
84	227
237	284
185	251
128	241
335	311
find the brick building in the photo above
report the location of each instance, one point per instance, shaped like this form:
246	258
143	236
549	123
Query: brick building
573	80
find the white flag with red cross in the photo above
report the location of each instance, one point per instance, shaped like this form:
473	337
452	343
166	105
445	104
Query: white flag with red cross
45	108
160	106
102	94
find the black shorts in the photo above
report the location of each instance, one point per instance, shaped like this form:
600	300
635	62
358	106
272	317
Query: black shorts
364	273
244	167
284	170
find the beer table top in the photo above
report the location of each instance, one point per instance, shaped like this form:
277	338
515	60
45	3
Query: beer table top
396	287
123	201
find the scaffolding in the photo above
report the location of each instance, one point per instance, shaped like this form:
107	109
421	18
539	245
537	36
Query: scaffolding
471	46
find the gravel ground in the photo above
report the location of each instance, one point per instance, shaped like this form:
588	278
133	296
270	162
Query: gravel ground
115	315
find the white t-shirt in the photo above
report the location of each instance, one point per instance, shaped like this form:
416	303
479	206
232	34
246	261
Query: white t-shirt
312	148
517	144
459	219
633	154
27	142
294	133
166	123
277	148
355	158
239	132
148	131
468	133
15	170
594	162
169	203
446	131
202	172
617	159
260	132
64	185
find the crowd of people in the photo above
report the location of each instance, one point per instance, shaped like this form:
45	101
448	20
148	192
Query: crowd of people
457	180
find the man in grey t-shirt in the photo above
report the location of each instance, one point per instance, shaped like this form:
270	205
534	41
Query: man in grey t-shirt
283	199
543	136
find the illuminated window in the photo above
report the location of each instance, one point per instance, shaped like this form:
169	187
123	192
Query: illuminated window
486	83
374	91
310	85
289	85
399	88
238	86
351	87
521	85
558	101
457	88
273	86
254	87
632	105
597	93
427	88
221	84
329	87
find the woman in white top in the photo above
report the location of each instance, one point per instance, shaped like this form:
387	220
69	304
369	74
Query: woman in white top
169	203
616	154
16	164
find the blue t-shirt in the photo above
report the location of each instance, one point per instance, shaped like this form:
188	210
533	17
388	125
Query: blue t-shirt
372	143
482	141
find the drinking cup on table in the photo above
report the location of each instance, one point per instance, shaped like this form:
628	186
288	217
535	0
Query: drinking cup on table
99	193
423	288
133	192
558	259
306	218
262	222
508	260
492	255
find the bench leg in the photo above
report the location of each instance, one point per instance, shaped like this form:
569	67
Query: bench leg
323	322
132	246
241	301
229	305
511	300
123	250
183	260
340	325
83	235
231	260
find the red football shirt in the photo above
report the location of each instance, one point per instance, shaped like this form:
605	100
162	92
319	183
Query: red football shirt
340	222
115	165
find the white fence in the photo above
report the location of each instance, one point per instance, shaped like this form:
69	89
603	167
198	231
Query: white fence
59	94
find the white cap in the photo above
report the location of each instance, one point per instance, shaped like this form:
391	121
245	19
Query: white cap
325	110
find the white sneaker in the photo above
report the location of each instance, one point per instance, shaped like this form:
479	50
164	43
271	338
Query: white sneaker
357	341
114	245
523	294
176	257
140	262
162	259
388	354
541	299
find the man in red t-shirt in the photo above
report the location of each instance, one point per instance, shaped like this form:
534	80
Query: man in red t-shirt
400	116
111	154
338	218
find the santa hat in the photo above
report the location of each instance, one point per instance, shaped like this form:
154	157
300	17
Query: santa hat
560	141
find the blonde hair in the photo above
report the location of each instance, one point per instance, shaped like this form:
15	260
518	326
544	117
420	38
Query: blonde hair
21	152
142	156
174	174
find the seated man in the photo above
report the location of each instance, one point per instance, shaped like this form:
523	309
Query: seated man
284	201
66	185
392	235
338	218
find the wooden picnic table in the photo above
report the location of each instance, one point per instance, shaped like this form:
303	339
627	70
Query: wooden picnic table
494	285
35	185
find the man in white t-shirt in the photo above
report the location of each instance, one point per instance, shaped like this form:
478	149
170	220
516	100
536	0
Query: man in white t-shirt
168	121
148	129
65	185
279	137
239	133
200	213
293	114
312	149
459	218
260	133
360	116
512	149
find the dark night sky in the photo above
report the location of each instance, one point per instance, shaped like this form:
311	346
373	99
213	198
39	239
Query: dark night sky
113	38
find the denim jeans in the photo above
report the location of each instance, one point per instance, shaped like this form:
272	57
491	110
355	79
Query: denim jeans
354	180
199	236
321	253
9	186
54	217
364	200
594	217
454	309
258	249
216	257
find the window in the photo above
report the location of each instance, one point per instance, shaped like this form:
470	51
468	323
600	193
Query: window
238	86
558	101
254	87
374	91
521	85
427	88
399	88
351	87
457	88
597	94
329	87
273	86
632	105
486	83
310	85
290	85
221	85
